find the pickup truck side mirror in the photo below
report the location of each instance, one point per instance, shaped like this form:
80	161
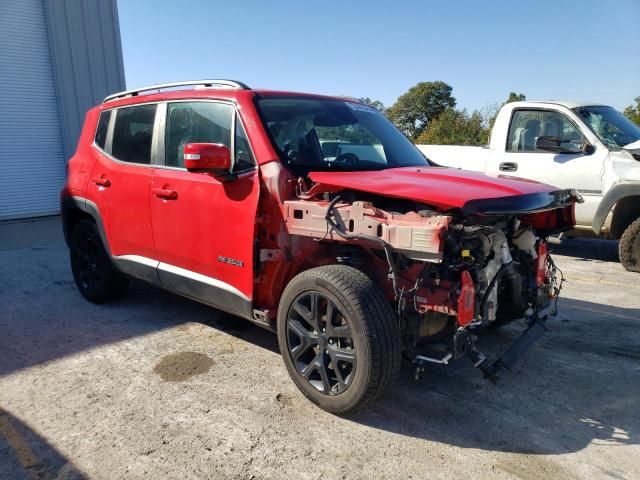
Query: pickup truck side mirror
213	158
559	145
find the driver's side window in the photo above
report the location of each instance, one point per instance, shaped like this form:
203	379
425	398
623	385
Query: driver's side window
529	125
195	122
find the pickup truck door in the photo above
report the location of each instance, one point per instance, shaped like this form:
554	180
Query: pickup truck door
203	225
582	172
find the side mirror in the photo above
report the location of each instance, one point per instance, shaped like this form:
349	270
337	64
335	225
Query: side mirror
555	145
213	158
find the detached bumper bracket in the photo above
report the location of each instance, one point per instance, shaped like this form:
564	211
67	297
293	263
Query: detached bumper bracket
517	350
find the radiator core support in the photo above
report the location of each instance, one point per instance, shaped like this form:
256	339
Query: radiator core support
415	236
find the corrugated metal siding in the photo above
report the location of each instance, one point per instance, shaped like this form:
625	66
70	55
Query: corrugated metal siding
58	58
87	58
32	163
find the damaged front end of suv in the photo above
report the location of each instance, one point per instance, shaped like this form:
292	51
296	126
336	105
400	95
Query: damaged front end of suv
451	270
372	254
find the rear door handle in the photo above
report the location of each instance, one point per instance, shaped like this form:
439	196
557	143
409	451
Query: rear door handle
508	166
102	182
165	193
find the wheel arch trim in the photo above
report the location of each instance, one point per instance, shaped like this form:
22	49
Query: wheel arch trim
614	195
76	202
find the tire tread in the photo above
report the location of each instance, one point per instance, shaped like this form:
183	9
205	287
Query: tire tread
378	322
629	247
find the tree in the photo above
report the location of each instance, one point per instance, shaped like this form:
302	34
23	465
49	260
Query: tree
633	112
377	104
455	127
513	97
421	104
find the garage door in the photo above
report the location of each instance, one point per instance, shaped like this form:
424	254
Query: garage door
32	163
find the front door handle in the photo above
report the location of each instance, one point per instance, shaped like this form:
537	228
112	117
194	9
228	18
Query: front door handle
102	182
508	166
165	193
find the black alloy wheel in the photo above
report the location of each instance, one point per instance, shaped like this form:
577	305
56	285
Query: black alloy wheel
320	343
85	261
338	337
95	276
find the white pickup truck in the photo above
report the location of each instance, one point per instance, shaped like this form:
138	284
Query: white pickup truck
591	148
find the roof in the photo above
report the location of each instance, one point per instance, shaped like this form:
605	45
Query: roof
563	103
229	89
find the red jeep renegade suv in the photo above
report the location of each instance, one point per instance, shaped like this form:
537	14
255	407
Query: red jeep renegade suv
314	217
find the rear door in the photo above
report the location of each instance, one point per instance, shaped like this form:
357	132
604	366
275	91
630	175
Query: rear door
564	170
204	231
119	187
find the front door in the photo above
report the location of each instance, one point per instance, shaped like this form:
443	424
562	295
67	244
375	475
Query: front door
564	170
203	226
119	187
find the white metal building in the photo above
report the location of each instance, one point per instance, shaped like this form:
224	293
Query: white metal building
58	58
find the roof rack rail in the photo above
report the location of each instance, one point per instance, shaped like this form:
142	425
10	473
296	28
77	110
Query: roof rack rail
202	83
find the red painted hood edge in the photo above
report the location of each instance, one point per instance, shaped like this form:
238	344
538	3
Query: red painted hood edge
441	187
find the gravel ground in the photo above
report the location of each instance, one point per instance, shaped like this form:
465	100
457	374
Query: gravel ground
156	386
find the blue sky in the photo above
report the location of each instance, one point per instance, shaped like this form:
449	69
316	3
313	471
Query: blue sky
547	49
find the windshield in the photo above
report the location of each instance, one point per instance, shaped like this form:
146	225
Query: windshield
612	128
324	134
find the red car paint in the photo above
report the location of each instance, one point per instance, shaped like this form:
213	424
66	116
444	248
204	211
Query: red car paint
541	264
444	188
458	251
466	300
208	218
187	231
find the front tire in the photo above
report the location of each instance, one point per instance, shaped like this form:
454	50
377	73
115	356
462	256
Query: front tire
338	337
93	272
629	248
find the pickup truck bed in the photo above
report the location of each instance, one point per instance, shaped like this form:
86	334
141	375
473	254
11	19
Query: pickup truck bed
457	156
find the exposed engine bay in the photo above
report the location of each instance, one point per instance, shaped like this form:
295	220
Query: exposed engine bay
449	275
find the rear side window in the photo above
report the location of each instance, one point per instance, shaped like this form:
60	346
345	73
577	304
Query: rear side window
195	122
103	126
132	134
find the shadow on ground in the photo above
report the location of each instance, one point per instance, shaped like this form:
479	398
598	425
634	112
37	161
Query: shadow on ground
588	249
26	455
579	384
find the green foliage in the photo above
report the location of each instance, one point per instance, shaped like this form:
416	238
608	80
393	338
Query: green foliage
377	104
455	127
515	97
426	114
633	112
413	111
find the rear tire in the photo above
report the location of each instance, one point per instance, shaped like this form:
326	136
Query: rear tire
338	337
629	248
93	272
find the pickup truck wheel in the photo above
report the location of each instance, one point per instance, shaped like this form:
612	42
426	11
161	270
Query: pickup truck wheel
338	337
629	248
91	266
